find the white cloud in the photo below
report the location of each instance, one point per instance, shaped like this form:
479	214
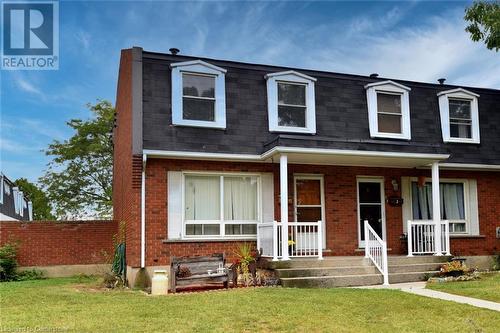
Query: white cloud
27	86
440	48
84	38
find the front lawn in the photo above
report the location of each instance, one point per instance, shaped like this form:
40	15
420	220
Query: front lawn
71	304
487	288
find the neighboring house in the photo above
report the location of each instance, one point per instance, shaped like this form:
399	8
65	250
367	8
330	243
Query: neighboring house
207	151
14	206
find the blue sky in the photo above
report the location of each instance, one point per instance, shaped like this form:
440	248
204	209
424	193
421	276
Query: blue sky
408	40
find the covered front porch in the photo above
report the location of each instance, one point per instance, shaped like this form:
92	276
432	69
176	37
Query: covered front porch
342	202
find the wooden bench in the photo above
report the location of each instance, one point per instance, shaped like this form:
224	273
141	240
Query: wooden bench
191	271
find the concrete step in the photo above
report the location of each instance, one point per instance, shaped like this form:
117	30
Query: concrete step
313	262
332	281
423	267
326	271
404	260
410	276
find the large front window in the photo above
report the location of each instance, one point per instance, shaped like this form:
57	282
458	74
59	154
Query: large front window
452	202
221	205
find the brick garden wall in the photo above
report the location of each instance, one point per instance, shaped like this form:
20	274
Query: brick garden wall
46	243
340	207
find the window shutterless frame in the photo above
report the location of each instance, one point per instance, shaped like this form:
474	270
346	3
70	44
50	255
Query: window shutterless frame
388	87
444	111
467	203
201	98
198	67
291	77
220	221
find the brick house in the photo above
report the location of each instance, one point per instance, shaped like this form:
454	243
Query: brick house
206	152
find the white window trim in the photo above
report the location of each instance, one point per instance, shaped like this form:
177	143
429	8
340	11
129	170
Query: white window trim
392	88
467	201
272	101
15	192
21	203
221	222
444	111
202	68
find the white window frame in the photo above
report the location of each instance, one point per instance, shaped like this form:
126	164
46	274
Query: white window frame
444	111
198	67
15	192
392	88
221	221
467	202
291	77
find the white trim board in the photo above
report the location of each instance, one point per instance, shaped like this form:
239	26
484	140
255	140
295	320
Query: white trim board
315	156
466	166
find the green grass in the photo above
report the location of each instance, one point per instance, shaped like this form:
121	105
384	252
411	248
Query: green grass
487	288
71	305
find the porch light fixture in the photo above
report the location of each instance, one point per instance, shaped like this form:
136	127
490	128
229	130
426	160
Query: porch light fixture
395	185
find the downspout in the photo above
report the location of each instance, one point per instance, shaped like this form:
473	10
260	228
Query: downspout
143	211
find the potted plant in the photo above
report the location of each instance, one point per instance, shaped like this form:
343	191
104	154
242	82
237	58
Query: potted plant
453	268
245	264
291	243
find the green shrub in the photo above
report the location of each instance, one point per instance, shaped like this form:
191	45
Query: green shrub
496	262
8	262
30	274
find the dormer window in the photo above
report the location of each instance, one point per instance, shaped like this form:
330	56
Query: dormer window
198	97
458	109
388	110
291	102
198	94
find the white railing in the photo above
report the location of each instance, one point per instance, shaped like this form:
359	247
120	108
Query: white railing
376	250
305	239
422	237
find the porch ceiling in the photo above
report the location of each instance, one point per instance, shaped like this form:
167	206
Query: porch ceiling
353	157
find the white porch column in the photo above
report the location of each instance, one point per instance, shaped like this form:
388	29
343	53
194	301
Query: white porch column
284	205
436	208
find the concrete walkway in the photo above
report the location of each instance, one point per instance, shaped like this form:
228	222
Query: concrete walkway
418	288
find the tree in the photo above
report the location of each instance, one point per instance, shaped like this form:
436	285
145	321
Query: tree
79	177
42	208
484	23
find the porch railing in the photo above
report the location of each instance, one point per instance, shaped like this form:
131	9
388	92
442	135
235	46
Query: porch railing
376	250
422	237
305	239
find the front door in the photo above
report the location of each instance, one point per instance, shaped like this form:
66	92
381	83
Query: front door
371	207
309	200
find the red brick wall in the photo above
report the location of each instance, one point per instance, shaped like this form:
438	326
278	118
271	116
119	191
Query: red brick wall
126	167
45	243
340	207
158	252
